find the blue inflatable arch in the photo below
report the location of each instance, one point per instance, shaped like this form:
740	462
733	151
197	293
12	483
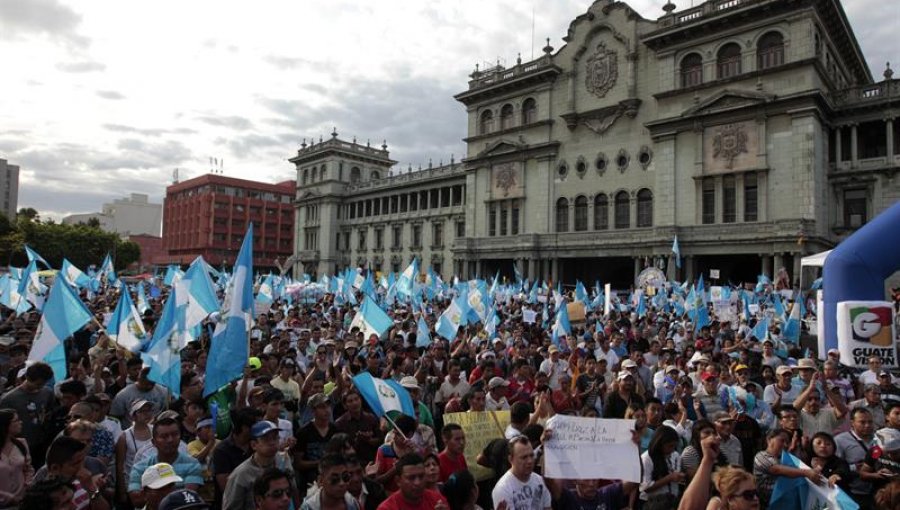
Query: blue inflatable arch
857	268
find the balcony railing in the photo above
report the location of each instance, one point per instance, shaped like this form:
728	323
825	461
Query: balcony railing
872	92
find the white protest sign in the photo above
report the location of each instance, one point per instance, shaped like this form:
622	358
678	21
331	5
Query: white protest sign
528	316
607	299
714	274
582	449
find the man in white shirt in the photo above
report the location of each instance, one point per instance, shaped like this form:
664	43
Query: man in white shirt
870	376
453	385
553	366
521	487
496	397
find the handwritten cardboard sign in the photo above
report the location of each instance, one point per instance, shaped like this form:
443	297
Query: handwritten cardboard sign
591	448
480	428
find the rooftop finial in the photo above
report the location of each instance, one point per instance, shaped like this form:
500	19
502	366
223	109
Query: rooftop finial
334	132
368	144
451	159
888	72
320	138
384	145
519	59
548	49
303	144
429	163
669	7
354	139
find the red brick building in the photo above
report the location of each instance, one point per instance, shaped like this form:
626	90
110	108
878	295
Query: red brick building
208	216
151	251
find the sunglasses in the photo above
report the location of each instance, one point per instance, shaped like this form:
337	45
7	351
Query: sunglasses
278	493
749	495
338	478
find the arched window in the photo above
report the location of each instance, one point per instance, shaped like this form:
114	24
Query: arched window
691	70
506	116
487	122
354	175
322	173
529	111
623	210
728	61
601	212
562	215
581	214
305	176
645	208
770	50
376	176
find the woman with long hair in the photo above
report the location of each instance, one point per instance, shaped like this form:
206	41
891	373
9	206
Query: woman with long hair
461	491
15	461
432	472
661	471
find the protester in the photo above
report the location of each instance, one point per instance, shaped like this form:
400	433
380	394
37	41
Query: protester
411	493
264	444
520	486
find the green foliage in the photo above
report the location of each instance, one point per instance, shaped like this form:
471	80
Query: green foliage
82	244
28	214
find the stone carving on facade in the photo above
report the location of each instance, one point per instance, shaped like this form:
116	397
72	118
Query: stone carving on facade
602	70
505	178
729	142
601	124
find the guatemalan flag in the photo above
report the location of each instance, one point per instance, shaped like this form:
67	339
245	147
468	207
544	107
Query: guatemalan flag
230	347
802	494
125	326
163	353
75	276
384	395
34	256
64	314
371	319
449	321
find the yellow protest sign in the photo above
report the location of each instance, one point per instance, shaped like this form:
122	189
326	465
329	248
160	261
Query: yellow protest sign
481	428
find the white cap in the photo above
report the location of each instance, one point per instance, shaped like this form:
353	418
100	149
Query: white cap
159	475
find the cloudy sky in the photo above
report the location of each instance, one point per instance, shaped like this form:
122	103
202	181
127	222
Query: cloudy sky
103	99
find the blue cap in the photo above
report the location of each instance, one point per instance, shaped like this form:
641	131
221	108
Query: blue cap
262	428
183	499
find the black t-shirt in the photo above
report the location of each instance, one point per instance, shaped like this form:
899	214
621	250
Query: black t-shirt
615	406
226	456
311	446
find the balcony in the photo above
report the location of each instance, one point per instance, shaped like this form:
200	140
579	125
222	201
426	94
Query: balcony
872	93
308	255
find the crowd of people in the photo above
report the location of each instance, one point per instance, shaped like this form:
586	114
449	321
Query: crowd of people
714	409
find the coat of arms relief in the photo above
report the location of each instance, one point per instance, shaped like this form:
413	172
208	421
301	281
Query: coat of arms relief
602	70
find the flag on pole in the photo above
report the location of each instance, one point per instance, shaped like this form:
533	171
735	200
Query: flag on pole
561	326
9	295
407	278
792	324
75	276
125	326
142	304
163	353
761	329
384	395
371	319
230	347
677	251
423	337
449	321
64	314
34	256
30	286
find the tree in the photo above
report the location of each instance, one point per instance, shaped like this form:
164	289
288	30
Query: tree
127	253
29	214
93	222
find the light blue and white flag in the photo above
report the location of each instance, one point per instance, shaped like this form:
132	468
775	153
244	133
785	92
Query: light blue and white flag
230	347
75	276
64	314
423	337
163	353
677	251
449	321
371	319
9	295
802	494
197	297
125	326
30	286
761	329
561	325
34	256
142	304
792	324
384	395
407	278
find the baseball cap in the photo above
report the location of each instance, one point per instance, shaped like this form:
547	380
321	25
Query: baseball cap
553	349
835	352
623	375
739	367
183	499
409	382
351	345
159	475
497	382
318	399
254	363
262	428
629	364
707	376
721	416
139	404
204	423
672	368
783	369
806	364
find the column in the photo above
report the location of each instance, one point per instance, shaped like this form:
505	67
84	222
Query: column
687	265
509	213
795	274
889	125
854	148
838	155
637	268
779	263
554	270
571	215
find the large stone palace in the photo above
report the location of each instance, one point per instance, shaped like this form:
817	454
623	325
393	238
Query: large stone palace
753	130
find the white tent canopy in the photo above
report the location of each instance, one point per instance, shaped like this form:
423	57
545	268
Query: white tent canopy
817	260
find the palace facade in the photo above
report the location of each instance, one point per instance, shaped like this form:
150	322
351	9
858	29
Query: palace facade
753	130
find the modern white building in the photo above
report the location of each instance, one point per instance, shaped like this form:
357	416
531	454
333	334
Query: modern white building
125	216
9	189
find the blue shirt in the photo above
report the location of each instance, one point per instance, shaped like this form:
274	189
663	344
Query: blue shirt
185	466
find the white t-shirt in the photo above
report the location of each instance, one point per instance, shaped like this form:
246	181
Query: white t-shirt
533	495
548	367
787	397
